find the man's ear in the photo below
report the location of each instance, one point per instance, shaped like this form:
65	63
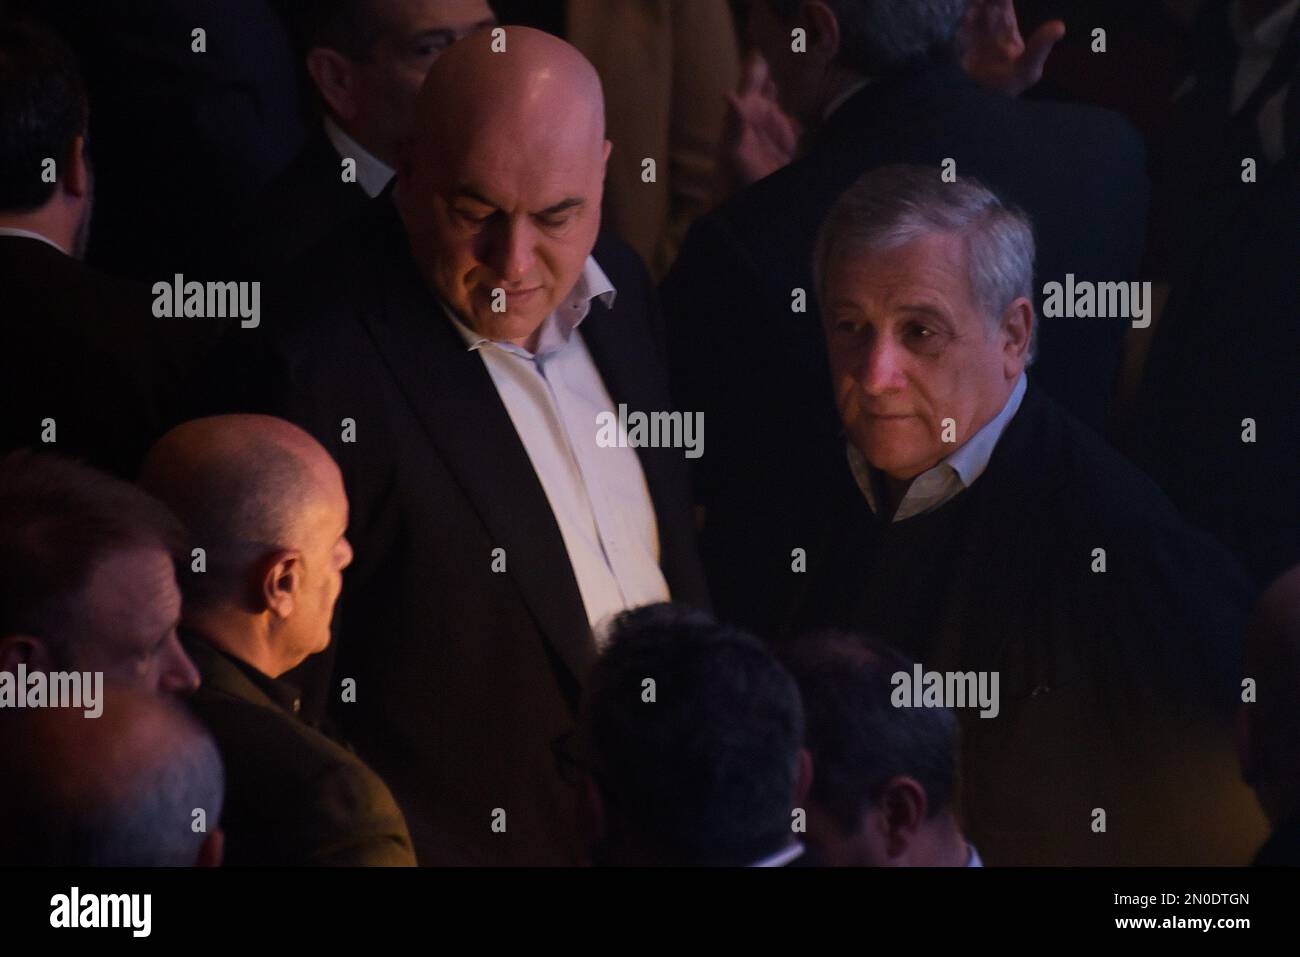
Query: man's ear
26	650
335	79
903	807
76	171
823	31
1018	324
281	582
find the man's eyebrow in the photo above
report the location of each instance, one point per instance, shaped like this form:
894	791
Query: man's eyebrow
466	192
436	33
924	309
563	206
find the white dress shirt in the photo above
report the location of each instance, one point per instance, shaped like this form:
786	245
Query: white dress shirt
598	495
782	857
373	174
28	234
950	477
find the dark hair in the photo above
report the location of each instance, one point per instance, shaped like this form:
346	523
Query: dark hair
857	738
707	771
58	520
352	27
42	109
878	36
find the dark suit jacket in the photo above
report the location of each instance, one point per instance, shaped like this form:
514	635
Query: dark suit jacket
1282	849
1116	687
758	370
1228	349
179	139
85	350
465	676
293	796
301	208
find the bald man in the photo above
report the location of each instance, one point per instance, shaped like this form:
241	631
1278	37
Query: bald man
1268	728
458	356
266	504
139	786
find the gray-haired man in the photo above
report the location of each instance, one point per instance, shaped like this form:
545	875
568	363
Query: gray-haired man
980	529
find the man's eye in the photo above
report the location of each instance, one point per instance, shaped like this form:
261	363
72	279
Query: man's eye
555	222
471	218
923	338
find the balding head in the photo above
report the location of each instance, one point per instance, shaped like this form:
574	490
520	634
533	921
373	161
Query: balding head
501	186
1270	746
265	502
117	790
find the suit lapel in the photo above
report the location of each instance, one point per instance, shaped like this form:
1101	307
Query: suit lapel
453	397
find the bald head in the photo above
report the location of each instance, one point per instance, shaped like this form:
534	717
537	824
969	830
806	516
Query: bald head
1272	660
500	187
266	503
117	790
539	88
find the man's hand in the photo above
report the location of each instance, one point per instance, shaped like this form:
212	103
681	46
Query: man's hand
994	53
759	137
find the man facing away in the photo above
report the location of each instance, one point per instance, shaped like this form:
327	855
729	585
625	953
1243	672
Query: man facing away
265	503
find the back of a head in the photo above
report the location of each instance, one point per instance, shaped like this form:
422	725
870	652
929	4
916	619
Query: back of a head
42	109
238	484
703	762
858	739
878	36
120	789
58	520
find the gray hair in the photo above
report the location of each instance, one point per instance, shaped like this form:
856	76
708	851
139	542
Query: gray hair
877	36
892	206
119	790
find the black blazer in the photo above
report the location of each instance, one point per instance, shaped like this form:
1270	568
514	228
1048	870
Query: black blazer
300	208
85	349
294	798
757	369
1228	349
464	676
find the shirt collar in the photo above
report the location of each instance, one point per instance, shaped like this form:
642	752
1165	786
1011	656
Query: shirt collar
373	174
284	694
28	234
844	96
558	327
956	473
781	857
973	860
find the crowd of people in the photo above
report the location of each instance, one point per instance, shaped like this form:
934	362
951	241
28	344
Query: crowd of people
331	328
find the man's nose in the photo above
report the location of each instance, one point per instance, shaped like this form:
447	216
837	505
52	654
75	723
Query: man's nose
345	553
178	676
881	368
512	252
